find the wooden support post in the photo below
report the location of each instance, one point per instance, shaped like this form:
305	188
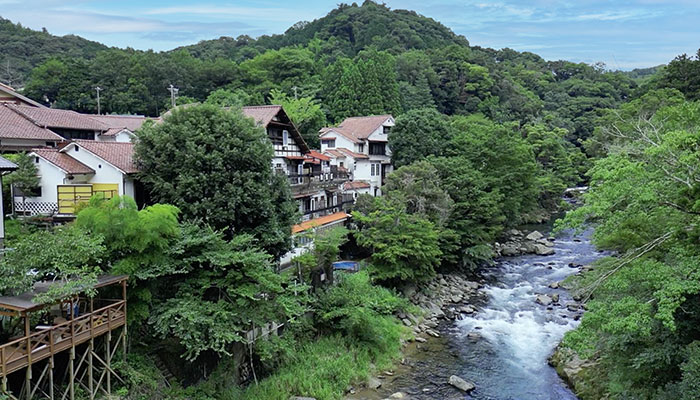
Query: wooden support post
125	333
4	371
90	366
51	376
91	348
71	371
28	374
108	359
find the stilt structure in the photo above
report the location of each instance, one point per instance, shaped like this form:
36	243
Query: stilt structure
86	337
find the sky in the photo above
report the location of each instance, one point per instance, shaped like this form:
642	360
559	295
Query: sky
622	34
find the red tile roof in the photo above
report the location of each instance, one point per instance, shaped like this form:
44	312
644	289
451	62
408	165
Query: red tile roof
63	161
262	114
335	153
55	118
358	128
355	185
8	90
316	154
120	155
325	220
14	126
117	123
351	153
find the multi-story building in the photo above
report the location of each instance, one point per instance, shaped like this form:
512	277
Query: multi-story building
360	145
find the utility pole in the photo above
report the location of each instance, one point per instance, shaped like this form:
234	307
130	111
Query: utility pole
173	93
98	90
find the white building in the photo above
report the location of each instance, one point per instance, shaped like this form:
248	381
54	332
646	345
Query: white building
75	173
360	144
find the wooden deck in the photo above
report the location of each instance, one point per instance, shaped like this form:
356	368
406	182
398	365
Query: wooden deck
55	339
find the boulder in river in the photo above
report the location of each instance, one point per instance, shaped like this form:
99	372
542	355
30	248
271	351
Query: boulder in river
534	235
543	299
461	384
554	285
543	250
374	383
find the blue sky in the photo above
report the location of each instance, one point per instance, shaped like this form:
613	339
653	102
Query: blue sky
622	34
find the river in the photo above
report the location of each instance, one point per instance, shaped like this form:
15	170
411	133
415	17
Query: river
504	347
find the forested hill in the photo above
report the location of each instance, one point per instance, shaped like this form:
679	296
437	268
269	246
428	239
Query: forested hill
347	29
22	49
357	60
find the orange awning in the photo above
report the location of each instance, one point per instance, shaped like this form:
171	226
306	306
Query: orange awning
316	222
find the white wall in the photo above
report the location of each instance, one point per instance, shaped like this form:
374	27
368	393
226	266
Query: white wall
124	136
104	171
340	141
50	176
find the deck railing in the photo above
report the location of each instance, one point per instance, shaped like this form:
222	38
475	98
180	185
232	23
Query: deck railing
45	342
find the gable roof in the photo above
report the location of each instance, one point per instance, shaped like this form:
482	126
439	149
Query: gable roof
117	123
358	128
8	90
7	165
120	155
316	154
14	126
335	153
63	161
55	118
351	185
263	115
351	153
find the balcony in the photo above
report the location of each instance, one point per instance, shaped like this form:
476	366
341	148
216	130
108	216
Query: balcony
316	180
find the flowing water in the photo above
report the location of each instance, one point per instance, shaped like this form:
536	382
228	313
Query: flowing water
504	347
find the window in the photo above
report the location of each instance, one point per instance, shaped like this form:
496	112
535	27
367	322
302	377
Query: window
36	160
372	174
377	149
361	148
341	164
77	148
285	137
387	130
330	143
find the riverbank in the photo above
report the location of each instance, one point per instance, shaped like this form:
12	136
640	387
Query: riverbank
503	346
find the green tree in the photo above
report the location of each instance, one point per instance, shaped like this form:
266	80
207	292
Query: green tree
417	135
404	246
305	112
26	177
214	165
641	323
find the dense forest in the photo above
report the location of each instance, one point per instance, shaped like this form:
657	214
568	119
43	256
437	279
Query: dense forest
484	140
405	60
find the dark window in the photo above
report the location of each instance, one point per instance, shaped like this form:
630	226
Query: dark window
377	149
330	143
387	130
361	148
36	160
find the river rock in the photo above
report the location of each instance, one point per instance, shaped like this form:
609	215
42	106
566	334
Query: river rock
509	250
407	322
374	383
432	333
461	384
555	298
421	339
467	309
534	235
572	306
398	395
543	299
473	336
554	285
456	298
543	250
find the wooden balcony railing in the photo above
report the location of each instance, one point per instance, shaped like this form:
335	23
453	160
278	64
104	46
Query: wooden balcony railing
49	340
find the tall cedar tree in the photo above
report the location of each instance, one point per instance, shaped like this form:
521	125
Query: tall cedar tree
214	165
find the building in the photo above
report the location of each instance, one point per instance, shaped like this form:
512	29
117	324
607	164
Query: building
77	171
360	144
9	96
17	133
120	128
316	184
